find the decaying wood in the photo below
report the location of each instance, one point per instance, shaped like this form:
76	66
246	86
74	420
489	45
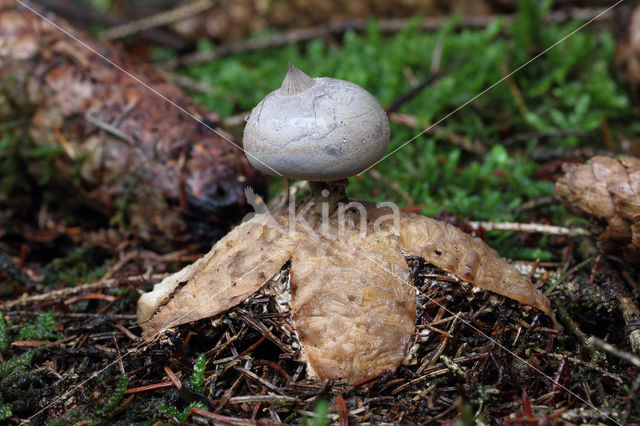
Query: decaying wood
121	140
607	191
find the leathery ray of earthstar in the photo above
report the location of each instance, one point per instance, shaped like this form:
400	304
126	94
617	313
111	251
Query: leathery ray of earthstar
352	300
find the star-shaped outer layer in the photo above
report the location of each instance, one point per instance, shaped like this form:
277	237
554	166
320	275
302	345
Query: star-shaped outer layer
352	299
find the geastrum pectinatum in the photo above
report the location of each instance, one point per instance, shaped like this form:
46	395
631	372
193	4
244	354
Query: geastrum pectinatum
351	296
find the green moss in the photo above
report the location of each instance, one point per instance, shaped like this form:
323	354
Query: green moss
80	265
108	409
320	413
197	377
5	412
4	336
59	422
182	416
17	361
43	328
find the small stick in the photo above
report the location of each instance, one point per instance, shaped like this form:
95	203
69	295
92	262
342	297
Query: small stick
120	363
526	405
190	84
275	366
566	274
77	12
343	413
30	343
513	87
593	340
90	296
157	20
528	136
124	330
406	97
534	267
529	227
280	399
174	379
256	344
226	395
393	185
253	376
534	204
161	385
68	148
588	364
441	332
385	26
627	306
69	291
556	380
440	350
456	139
109	128
573	327
631	315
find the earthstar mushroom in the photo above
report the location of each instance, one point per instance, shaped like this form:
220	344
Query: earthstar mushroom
352	299
316	129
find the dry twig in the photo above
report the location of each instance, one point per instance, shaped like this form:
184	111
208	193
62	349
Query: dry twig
456	139
614	351
529	227
385	26
181	12
70	291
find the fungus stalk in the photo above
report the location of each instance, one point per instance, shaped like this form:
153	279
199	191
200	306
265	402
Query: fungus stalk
326	196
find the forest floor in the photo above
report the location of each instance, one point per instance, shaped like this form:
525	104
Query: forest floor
70	351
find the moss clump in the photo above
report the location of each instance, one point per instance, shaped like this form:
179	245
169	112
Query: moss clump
108	409
18	361
197	377
43	328
4	336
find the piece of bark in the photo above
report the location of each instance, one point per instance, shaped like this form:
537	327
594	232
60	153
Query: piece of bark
122	142
607	191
